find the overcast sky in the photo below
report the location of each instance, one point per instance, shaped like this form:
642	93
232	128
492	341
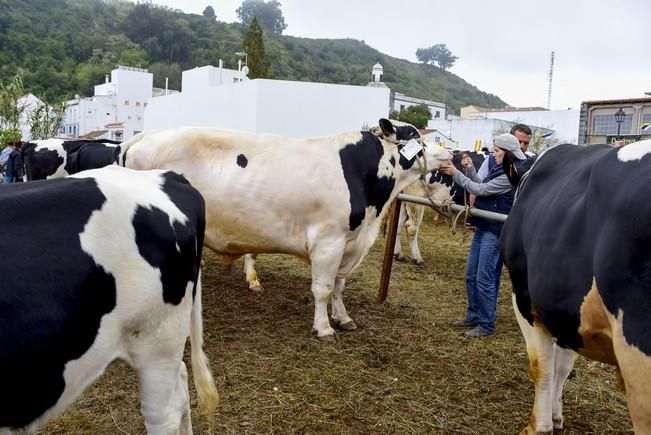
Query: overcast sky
602	47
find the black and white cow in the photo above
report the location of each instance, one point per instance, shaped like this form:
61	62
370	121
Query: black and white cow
56	158
578	248
439	187
99	266
319	199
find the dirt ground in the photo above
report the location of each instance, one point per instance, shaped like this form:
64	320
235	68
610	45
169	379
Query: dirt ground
404	371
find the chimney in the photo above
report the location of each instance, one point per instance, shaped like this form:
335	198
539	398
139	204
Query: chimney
166	82
106	78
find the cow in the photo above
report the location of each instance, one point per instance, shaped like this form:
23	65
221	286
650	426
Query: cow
578	251
98	266
55	158
320	199
437	186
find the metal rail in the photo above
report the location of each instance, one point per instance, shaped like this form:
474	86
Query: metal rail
393	229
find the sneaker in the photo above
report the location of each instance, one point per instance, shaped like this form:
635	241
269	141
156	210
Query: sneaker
477	331
465	323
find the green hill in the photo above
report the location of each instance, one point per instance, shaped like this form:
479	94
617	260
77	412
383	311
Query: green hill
64	47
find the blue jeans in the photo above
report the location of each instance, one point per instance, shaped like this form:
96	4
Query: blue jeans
483	271
8	180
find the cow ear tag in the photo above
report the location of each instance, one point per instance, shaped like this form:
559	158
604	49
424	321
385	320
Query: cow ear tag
410	149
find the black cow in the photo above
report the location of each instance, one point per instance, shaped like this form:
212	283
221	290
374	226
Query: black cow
578	248
55	158
440	187
97	266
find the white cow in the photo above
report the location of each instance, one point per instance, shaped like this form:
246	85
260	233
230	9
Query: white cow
319	199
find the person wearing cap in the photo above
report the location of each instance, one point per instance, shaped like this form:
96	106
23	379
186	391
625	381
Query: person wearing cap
484	264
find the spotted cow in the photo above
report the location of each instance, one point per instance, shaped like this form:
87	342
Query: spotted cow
319	199
55	158
99	266
439	187
578	250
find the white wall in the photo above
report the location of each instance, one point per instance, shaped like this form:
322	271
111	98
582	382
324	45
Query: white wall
465	132
565	123
198	79
294	109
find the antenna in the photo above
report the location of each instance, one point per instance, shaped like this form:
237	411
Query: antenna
549	89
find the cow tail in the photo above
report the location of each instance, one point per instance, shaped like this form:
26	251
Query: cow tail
203	379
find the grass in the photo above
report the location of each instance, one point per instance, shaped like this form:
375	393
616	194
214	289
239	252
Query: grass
404	371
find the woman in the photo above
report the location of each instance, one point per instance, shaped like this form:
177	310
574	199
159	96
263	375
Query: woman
484	265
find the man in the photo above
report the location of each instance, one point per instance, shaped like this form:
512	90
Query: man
484	266
14	164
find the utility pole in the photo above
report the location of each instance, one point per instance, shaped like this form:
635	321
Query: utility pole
549	88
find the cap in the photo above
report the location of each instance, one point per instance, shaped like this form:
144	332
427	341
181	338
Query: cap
508	142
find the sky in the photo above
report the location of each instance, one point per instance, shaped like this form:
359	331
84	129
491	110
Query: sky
602	49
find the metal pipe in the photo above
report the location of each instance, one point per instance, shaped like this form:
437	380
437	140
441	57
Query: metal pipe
498	217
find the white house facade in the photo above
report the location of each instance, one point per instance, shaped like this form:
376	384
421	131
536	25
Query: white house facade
115	111
564	123
211	97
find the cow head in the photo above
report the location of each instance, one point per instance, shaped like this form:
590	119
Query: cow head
43	159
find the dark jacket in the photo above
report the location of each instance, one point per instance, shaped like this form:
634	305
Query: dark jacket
14	165
500	203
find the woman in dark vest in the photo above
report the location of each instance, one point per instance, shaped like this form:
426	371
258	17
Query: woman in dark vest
484	265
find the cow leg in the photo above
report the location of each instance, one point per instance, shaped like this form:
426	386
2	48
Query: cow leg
397	248
413	225
251	274
164	397
563	363
325	259
339	315
540	348
634	367
157	358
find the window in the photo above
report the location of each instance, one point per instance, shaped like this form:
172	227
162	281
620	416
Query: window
137	103
437	114
145	104
126	102
129	117
139	118
646	118
605	124
402	107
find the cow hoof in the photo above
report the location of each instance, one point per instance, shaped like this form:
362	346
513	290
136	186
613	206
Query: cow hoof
348	326
558	423
420	262
529	431
400	258
256	288
328	338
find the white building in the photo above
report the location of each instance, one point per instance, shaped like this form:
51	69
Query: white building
564	123
27	103
399	102
216	97
115	111
471	134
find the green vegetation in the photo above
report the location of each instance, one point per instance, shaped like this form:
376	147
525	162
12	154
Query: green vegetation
254	47
415	115
64	47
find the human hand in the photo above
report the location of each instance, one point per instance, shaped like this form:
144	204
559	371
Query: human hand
448	169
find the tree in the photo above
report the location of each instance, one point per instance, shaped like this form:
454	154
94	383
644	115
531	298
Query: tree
11	110
46	121
209	12
254	47
418	116
268	14
437	54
